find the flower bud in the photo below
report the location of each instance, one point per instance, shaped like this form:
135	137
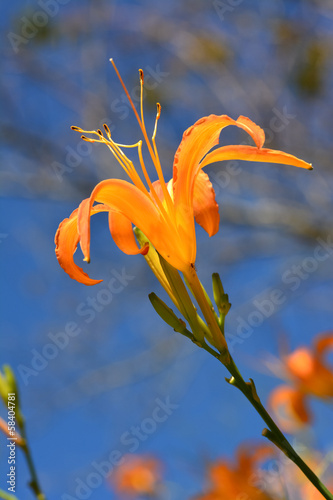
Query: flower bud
167	314
7	383
221	298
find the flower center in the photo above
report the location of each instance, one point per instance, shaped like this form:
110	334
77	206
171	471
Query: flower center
166	206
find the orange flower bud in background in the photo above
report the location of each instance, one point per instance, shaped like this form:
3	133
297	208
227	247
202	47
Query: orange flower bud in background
137	475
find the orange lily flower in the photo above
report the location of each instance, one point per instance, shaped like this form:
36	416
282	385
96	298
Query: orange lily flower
136	476
164	212
296	484
309	375
308	368
239	480
290	407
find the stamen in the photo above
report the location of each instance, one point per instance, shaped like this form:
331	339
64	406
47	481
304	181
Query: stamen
151	187
126	92
166	193
142	79
154	155
119	160
87	139
144	132
122	159
107	130
158	114
126	163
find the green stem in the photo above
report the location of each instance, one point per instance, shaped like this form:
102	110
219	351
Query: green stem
34	483
217	338
274	434
7	496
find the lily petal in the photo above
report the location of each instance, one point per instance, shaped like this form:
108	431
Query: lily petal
159	191
122	197
139	208
248	456
323	343
123	236
66	240
206	210
250	153
197	141
310	370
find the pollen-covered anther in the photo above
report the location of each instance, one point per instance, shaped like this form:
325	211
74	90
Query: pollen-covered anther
142	76
107	130
159	107
87	139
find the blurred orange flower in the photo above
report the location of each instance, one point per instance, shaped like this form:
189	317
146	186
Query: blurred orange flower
294	481
164	212
137	475
309	492
308	374
240	480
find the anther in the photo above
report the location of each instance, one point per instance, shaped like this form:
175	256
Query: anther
158	110
87	139
106	128
100	132
77	129
141	76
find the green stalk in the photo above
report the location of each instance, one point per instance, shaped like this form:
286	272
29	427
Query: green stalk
7	496
273	433
34	483
217	337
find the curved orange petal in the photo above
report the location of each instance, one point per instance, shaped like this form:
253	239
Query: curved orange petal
123	236
197	141
66	240
309	369
221	475
322	343
289	406
139	208
122	197
249	455
205	208
250	153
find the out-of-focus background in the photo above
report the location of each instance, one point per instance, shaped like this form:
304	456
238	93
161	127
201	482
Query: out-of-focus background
92	369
